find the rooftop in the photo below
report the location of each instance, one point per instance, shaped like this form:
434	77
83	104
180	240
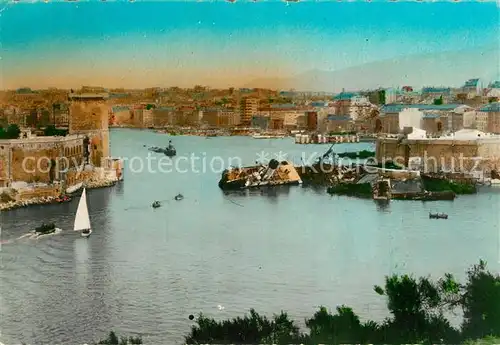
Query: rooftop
396	108
432	89
472	83
491	108
344	96
495	85
100	95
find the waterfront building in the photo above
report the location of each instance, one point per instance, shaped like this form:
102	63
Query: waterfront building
261	121
220	117
164	116
143	117
122	115
248	107
312	120
472	88
450	116
339	123
39	159
89	116
489	116
461	151
352	104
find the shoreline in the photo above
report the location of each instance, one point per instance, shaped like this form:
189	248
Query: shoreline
12	205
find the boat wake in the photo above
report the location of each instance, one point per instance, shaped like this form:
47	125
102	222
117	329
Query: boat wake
32	235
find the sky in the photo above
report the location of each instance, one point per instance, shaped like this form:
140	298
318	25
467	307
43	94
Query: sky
221	44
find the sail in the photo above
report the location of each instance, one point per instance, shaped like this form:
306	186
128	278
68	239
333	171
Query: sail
82	219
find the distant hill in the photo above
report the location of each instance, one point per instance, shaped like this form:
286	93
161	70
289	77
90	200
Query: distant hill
450	68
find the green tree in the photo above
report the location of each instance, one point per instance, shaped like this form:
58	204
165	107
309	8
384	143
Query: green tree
12	132
381	97
438	101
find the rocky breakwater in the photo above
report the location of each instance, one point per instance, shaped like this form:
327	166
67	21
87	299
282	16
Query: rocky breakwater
9	205
100	183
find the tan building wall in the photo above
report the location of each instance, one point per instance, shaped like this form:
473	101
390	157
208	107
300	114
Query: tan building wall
4	165
390	123
442	154
38	156
248	108
39	192
89	116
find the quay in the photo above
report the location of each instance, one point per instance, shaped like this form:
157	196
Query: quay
326	139
39	167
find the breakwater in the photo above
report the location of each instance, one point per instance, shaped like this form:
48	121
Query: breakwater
44	200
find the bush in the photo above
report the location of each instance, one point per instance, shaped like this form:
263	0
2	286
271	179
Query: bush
416	306
12	132
361	190
112	339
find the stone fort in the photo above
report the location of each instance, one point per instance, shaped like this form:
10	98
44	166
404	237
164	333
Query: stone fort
458	155
41	159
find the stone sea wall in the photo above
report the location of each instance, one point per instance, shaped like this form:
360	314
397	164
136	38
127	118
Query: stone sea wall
47	194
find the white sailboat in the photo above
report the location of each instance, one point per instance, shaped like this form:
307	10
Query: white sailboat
82	218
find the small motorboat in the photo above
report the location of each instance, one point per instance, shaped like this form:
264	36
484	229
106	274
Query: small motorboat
438	216
179	197
156	204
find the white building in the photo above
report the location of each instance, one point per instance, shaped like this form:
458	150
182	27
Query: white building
410	117
417	133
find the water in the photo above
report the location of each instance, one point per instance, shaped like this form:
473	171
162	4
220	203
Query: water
143	271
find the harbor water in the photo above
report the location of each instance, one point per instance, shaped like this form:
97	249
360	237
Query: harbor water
144	270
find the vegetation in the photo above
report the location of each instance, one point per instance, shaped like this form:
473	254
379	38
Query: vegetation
361	154
112	339
12	132
381	97
388	165
416	305
443	185
361	190
46	228
438	101
51	130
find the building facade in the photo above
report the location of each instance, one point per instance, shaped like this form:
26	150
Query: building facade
464	151
248	107
39	159
89	116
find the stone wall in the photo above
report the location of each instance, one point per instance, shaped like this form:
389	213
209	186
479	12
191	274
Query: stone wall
4	165
441	154
38	192
88	116
30	160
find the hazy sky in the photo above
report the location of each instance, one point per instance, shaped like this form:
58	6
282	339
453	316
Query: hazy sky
141	44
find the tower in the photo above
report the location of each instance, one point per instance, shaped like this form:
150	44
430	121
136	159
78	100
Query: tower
88	115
